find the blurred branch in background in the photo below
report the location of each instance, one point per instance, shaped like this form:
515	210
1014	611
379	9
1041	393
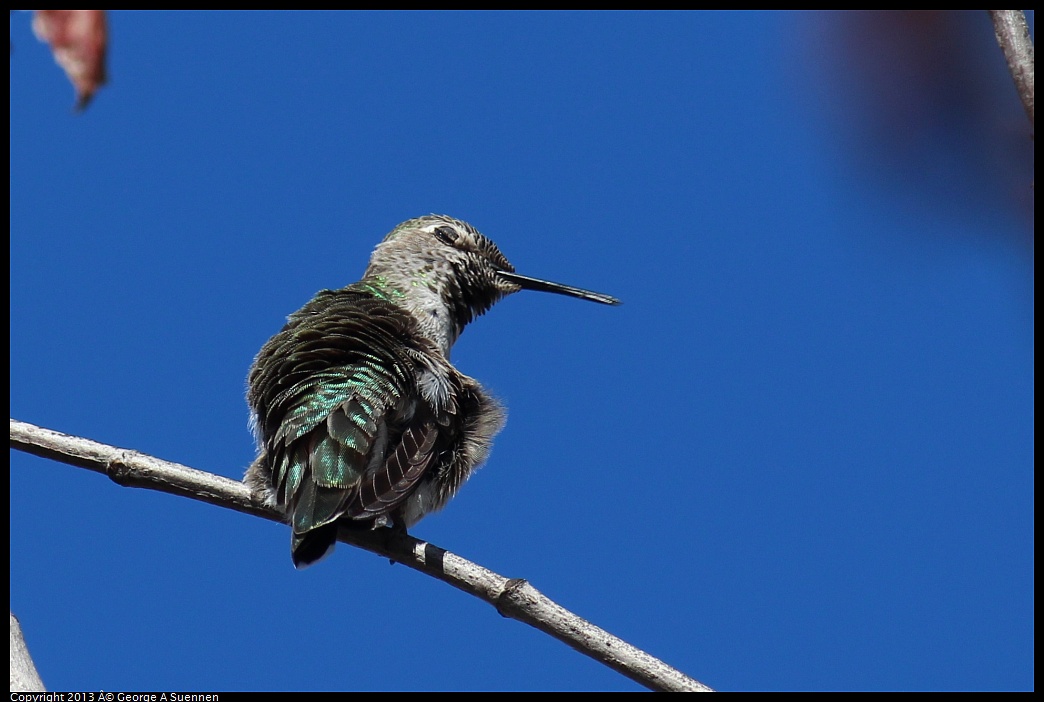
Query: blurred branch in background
924	111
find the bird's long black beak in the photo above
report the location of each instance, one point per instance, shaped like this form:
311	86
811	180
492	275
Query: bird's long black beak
527	283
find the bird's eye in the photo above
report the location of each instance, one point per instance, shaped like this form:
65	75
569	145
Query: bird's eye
447	235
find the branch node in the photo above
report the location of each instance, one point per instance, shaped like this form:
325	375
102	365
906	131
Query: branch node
510	598
118	470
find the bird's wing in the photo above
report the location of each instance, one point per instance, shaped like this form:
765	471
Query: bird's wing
338	427
386	485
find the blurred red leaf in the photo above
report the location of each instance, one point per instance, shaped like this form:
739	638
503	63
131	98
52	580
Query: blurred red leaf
78	39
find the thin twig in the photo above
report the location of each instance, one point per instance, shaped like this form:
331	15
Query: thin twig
513	598
1014	39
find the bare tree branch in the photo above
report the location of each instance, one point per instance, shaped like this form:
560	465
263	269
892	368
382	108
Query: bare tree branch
514	598
24	677
1014	39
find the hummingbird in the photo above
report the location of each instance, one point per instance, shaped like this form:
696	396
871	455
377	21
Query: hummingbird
359	415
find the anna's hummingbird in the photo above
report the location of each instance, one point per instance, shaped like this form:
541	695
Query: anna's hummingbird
358	413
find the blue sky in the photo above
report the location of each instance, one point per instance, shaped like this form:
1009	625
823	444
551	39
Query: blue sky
799	455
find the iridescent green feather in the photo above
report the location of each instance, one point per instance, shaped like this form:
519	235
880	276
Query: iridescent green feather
327	438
